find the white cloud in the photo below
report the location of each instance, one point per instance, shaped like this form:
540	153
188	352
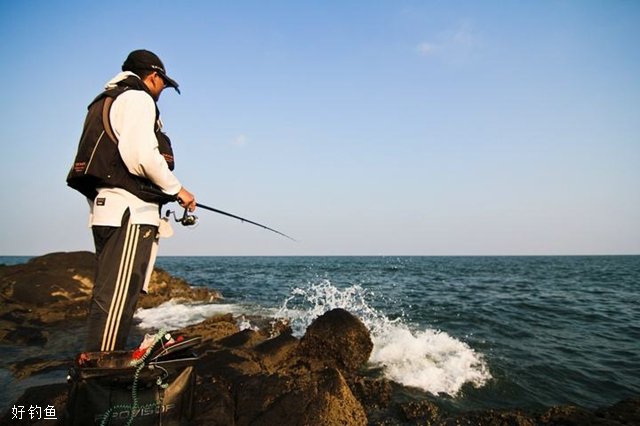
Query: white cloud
459	44
240	140
427	48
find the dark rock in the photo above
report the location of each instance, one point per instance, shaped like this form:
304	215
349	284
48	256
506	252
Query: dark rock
213	329
424	411
266	397
272	382
215	404
228	364
334	404
31	366
48	279
374	393
23	335
349	349
623	413
243	339
626	412
490	418
56	288
83	261
566	415
318	398
275	352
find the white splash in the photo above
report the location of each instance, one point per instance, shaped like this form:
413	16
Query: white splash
172	315
430	360
245	324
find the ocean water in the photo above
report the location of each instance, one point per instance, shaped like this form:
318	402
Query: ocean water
469	332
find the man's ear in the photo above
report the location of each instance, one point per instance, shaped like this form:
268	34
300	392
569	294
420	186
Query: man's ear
150	80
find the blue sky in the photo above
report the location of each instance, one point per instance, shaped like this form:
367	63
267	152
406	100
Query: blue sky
357	127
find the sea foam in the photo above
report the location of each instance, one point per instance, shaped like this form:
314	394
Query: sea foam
172	315
427	359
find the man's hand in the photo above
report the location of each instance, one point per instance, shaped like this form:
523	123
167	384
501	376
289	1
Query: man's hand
186	199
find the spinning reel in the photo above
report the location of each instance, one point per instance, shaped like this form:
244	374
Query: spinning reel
186	219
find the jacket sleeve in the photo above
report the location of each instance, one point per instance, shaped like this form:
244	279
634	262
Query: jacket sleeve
133	116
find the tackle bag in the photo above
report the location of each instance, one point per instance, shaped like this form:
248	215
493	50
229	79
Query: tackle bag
106	389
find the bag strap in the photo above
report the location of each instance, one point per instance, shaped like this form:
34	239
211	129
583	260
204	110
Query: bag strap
106	109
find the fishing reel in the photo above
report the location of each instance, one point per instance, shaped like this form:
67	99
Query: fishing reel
186	219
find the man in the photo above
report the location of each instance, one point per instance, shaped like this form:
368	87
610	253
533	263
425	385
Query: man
124	166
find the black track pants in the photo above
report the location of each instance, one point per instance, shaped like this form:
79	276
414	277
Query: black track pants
123	255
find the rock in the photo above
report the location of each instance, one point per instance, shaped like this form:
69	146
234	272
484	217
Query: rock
48	279
626	412
566	415
10	333
32	366
56	288
81	261
275	352
490	418
374	393
214	404
212	329
243	339
349	349
335	403
425	412
272	381
229	365
316	398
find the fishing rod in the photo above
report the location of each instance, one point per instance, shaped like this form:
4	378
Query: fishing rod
190	219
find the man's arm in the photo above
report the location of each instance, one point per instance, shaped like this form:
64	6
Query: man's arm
133	117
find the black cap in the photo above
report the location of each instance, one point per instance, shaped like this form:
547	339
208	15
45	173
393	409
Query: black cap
139	60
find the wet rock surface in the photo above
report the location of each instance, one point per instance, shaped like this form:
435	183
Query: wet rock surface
254	377
54	290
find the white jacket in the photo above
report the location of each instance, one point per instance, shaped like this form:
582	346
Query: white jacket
133	117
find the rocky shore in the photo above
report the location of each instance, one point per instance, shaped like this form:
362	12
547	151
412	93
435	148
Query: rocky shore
244	377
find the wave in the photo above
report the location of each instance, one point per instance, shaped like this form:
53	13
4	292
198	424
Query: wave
430	360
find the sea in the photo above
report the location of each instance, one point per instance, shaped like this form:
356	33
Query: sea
471	333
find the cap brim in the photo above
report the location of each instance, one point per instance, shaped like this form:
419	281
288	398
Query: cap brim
170	82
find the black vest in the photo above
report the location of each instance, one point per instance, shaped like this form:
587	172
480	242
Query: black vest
98	163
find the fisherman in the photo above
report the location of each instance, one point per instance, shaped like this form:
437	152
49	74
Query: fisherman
124	167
